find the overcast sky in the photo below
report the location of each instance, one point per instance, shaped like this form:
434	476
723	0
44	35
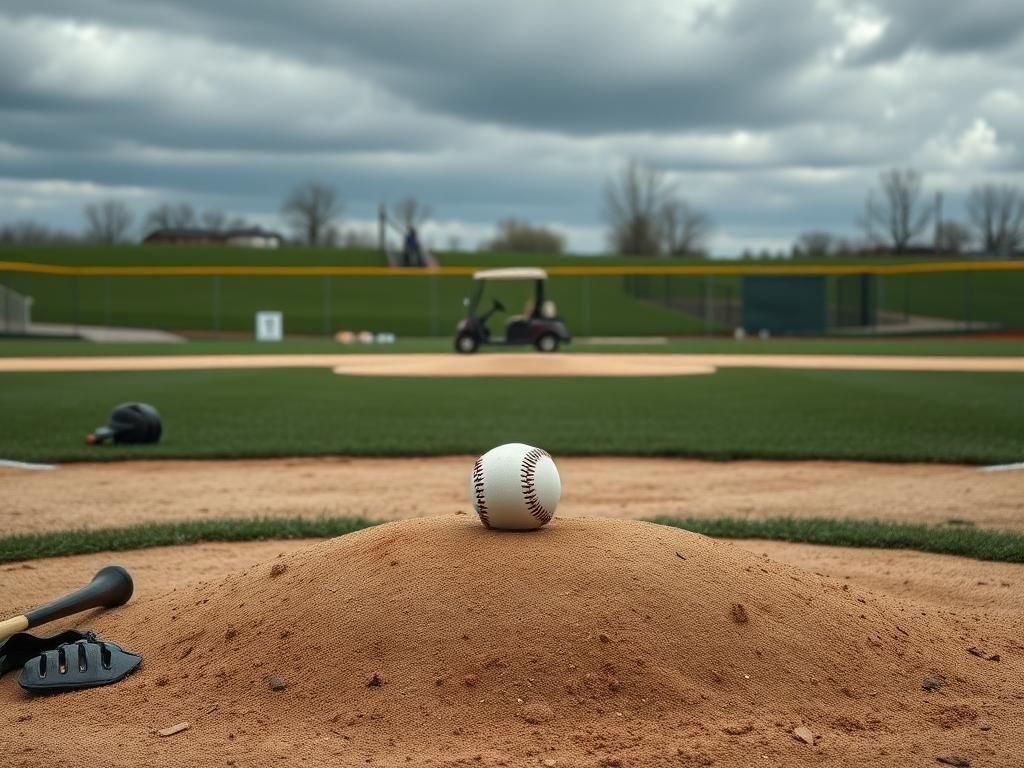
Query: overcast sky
775	116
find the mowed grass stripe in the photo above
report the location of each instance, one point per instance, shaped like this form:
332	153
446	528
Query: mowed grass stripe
33	546
742	413
980	544
991	545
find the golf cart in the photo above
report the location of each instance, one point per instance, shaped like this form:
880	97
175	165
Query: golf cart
538	325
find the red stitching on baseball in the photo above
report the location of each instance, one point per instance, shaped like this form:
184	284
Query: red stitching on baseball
528	476
478	492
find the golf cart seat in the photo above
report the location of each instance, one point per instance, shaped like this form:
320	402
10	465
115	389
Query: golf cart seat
548	310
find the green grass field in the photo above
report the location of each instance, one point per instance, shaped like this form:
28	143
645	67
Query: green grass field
980	544
735	413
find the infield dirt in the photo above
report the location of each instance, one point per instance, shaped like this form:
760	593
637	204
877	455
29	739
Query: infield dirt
128	493
589	643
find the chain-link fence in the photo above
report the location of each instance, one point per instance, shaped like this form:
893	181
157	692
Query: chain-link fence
706	300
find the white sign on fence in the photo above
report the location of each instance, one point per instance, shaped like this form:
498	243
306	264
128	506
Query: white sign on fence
269	326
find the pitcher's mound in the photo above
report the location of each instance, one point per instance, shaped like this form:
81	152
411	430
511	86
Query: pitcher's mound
520	364
587	643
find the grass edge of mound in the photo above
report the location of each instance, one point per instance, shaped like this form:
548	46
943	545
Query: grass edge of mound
979	544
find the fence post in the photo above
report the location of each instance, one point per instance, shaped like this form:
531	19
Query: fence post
4	302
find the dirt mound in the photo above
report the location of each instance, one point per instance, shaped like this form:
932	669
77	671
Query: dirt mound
587	643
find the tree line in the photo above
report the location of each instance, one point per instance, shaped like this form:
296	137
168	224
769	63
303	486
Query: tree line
900	217
644	212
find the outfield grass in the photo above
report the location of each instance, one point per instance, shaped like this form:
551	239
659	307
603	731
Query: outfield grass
979	544
733	414
934	346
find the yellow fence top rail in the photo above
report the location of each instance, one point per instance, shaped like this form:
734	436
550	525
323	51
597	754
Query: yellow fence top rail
618	270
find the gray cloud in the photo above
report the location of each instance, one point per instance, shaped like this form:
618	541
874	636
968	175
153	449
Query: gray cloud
775	116
981	26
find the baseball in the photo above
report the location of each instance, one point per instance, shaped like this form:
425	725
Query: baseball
515	487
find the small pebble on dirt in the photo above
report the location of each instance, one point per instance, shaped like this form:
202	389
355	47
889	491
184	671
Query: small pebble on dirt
933	683
958	762
276	683
550	763
375	680
739	613
173	729
982	654
604	638
230	633
278	569
804	734
680	555
470	680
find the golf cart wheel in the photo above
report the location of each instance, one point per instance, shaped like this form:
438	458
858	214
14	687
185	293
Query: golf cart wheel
466	343
547	343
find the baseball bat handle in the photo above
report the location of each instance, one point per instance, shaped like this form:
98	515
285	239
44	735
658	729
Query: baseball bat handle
110	587
12	626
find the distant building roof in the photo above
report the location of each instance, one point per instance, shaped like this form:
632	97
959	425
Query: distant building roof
208	235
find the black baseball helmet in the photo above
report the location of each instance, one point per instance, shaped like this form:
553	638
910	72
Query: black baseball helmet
130	423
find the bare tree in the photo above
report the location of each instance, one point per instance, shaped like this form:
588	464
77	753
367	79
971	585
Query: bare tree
410	213
815	243
952	237
30	232
170	216
684	230
515	236
899	214
311	209
996	213
214	220
632	206
107	221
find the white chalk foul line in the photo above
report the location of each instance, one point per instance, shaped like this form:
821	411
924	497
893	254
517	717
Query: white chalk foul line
25	465
1003	467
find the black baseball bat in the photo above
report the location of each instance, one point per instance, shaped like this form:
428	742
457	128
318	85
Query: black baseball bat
110	587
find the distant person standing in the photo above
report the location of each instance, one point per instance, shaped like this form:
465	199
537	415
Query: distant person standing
412	255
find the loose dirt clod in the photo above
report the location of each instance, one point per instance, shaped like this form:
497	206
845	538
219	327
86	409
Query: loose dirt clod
739	613
276	683
173	729
278	569
738	729
933	683
374	681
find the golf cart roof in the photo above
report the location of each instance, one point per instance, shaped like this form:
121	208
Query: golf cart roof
512	273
